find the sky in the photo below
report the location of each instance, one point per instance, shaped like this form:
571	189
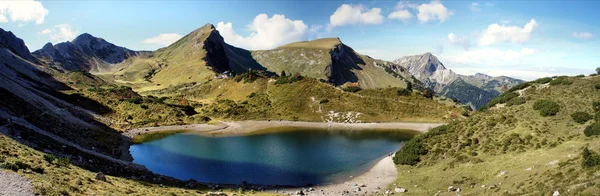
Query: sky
522	39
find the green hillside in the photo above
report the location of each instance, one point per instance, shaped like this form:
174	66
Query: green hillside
307	100
527	142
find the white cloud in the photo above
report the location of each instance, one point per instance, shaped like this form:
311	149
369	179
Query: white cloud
433	11
164	39
496	33
403	15
60	33
463	42
475	7
582	35
267	33
45	32
22	11
527	51
354	15
315	31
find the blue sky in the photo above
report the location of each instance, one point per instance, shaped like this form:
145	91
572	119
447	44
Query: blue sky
515	38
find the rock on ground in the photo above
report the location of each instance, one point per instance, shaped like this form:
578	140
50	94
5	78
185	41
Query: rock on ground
14	185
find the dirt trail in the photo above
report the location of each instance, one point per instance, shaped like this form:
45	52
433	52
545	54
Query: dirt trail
12	184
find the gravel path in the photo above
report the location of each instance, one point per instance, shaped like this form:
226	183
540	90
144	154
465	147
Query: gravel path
14	185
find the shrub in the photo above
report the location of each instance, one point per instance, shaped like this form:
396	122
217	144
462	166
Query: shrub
580	76
546	107
589	158
561	80
596	106
410	153
593	129
63	162
135	100
543	80
581	117
519	87
10	166
515	101
503	98
597	86
351	89
324	101
403	92
49	158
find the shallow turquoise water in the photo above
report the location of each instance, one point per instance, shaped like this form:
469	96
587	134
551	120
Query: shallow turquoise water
297	158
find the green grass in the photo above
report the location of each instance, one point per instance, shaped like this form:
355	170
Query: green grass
540	154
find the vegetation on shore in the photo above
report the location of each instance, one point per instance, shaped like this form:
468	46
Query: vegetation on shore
543	145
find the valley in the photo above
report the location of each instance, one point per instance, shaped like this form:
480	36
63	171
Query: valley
213	112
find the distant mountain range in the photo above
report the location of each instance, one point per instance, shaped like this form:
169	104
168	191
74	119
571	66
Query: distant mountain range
476	89
85	52
202	53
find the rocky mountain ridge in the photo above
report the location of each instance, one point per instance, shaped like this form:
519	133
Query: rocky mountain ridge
85	52
482	88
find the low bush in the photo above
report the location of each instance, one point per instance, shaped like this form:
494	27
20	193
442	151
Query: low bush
597	86
63	162
410	153
593	129
324	101
288	79
596	106
546	107
519	87
49	158
543	80
515	101
403	92
581	117
351	89
589	158
563	80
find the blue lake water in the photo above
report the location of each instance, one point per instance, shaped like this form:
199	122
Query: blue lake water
294	157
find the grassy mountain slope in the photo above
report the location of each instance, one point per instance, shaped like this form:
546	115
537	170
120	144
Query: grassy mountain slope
510	146
331	60
307	100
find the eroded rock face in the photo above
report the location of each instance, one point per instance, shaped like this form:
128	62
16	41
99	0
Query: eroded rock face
428	69
15	44
85	52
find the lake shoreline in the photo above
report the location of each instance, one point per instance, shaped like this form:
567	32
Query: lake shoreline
241	128
375	180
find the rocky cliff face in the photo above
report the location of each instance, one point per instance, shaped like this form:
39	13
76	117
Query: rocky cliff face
428	69
85	52
16	45
475	89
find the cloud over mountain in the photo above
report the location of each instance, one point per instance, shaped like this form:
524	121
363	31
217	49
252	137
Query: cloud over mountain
267	33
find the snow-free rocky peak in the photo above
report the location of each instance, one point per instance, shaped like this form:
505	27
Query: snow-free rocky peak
15	44
85	52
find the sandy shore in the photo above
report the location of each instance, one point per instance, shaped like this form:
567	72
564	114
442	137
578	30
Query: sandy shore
371	182
249	127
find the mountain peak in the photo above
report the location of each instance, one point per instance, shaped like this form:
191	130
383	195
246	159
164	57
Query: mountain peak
16	45
482	76
84	39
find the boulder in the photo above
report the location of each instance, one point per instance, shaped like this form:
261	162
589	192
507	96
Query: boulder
100	176
556	193
400	190
451	189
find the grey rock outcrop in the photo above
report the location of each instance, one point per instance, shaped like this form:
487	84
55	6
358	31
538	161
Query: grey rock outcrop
15	44
85	52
